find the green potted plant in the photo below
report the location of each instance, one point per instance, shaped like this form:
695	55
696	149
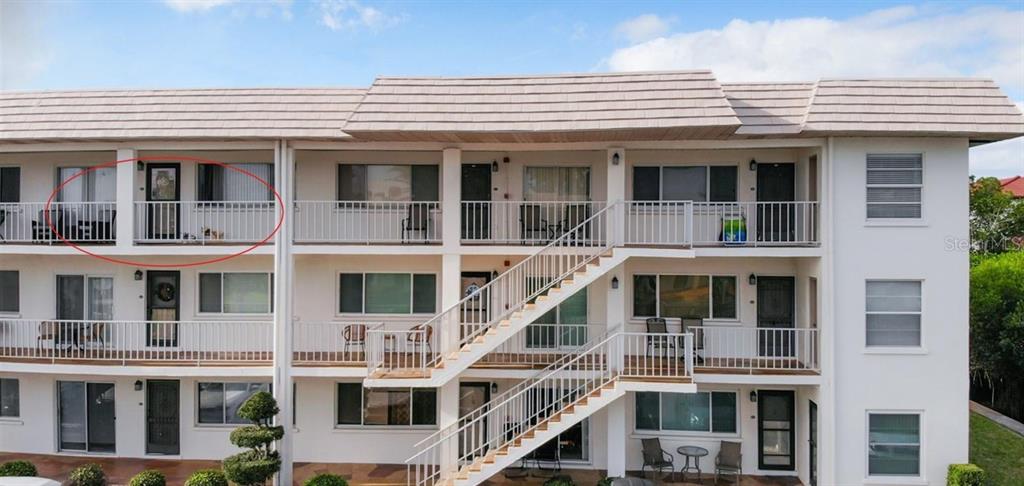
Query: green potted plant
258	464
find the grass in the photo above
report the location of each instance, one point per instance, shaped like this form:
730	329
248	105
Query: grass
998	450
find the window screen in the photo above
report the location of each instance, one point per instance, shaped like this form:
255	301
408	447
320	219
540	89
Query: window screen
684	184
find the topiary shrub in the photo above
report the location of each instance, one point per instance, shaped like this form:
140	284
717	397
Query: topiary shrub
559	481
605	482
149	477
18	468
965	475
88	475
207	477
326	480
258	464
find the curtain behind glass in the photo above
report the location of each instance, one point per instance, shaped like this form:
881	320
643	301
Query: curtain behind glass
556	184
684	296
101	298
103	185
72	426
686	411
388	293
246	293
389	182
70	297
73	190
241	187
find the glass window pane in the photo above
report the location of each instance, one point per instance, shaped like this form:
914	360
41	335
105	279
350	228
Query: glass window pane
424	293
574	184
209	292
684	184
211	403
70	297
103	184
351	290
894	444
647	417
101	298
350	409
235	394
723	412
10	184
389	182
425	183
723	297
246	293
894	330
72	421
351	182
684	296
893	296
723	183
74	190
239	186
9	291
540	184
573	310
388	293
644	296
210	184
375	406
646	183
686	411
10	398
424	406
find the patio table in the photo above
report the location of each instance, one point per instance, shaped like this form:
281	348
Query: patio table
694	452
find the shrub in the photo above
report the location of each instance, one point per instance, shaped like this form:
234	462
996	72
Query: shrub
207	477
148	477
251	468
258	464
965	475
326	480
88	475
18	468
605	482
559	481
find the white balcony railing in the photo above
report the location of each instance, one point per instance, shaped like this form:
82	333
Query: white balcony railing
367	222
332	343
77	222
391	348
204	222
522	222
539	345
126	342
687	223
756	348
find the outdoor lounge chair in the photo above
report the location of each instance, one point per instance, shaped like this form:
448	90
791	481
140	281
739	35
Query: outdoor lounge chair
657	325
655	457
416	221
729	460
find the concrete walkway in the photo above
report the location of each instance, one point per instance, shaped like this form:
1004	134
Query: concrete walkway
998	418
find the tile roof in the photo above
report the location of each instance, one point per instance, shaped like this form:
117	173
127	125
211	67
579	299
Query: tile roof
309	113
1014	185
769	109
644	106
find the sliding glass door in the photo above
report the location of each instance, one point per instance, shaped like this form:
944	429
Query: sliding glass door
86	416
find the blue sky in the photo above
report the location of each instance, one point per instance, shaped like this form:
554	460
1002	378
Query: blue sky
225	43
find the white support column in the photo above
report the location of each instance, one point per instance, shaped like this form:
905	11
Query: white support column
616	190
284	162
125	199
448	394
617	437
451	199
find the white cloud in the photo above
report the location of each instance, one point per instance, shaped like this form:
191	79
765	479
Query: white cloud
239	8
644	27
352	15
1000	159
26	47
196	5
898	42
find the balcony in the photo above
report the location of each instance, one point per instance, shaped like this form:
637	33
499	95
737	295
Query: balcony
202	222
76	222
727	224
756	350
522	222
368	222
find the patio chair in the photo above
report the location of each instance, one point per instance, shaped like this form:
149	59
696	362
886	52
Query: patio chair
658	325
354	334
656	458
97	333
47	332
418	339
729	460
417	220
548	456
689	323
3	219
575	215
532	223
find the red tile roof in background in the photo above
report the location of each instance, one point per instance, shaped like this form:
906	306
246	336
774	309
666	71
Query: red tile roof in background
1014	184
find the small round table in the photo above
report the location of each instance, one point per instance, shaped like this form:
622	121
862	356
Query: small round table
696	453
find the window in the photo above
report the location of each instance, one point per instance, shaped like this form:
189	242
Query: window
381	182
685	296
713	412
10	184
385	406
894	444
219	183
236	293
9	291
894	184
85	297
97	185
556	183
387	293
10	396
219	402
685	183
565	325
893	313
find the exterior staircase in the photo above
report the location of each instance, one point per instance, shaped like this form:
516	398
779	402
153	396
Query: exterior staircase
497	311
495	436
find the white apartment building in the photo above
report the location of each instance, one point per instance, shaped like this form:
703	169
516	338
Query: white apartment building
471	272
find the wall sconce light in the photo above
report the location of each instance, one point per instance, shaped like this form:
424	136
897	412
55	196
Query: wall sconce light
752	279
138	385
494	387
140	166
494	166
753	164
615	282
615	158
494	274
753	396
138	275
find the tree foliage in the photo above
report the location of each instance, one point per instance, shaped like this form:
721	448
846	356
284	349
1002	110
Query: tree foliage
258	464
997	219
997	327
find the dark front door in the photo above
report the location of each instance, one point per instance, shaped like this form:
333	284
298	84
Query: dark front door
776	430
476	194
475	309
162	297
775	307
812	442
775	185
163	191
473	395
162	421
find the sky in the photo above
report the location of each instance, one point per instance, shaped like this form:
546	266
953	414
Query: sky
233	43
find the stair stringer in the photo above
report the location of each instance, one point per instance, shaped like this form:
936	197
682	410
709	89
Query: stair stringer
469	354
